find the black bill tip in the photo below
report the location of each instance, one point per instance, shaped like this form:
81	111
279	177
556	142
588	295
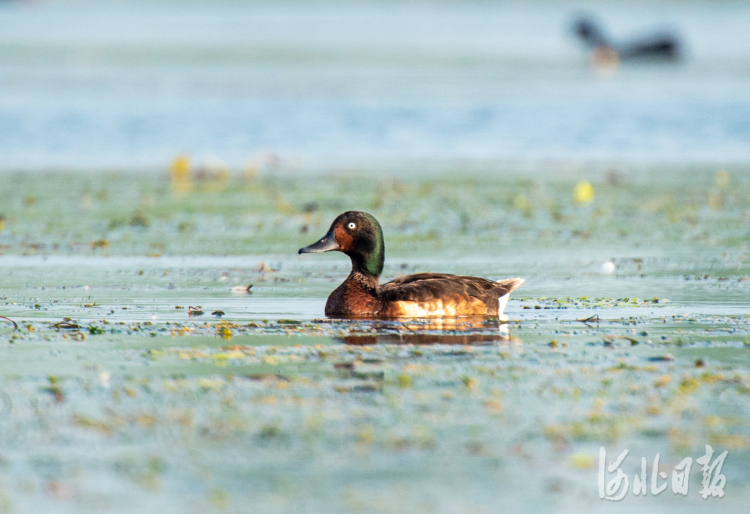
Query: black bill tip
326	244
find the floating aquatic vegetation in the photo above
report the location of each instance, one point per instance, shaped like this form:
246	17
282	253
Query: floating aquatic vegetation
270	386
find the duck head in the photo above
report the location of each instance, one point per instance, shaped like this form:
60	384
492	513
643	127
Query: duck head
358	235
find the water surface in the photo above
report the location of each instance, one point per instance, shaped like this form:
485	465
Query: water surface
130	85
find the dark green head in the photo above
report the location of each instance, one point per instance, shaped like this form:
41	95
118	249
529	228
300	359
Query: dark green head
358	235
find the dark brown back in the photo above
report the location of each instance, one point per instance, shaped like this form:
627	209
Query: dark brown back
424	287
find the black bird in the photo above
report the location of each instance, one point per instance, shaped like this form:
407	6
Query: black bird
660	46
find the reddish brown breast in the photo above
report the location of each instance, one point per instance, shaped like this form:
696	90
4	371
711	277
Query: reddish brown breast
356	297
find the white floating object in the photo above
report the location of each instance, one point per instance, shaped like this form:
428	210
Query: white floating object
242	289
608	267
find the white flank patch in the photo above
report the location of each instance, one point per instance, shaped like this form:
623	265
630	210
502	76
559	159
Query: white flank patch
503	302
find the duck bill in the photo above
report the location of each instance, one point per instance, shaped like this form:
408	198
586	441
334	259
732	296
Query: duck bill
326	244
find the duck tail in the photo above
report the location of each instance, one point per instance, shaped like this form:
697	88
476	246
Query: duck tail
504	287
507	285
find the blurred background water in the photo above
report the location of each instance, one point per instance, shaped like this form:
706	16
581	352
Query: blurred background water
128	85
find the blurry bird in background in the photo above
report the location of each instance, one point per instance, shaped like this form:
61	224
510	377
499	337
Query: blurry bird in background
607	54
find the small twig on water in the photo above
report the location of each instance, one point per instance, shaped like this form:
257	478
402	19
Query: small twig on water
15	325
66	324
407	327
593	318
610	339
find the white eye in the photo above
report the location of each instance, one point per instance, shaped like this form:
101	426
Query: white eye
352	226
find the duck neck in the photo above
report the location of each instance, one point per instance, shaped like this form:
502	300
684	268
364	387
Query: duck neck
367	267
366	270
369	263
366	283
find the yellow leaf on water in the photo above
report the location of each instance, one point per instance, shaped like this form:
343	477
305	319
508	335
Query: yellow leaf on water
179	174
722	178
180	167
494	406
583	193
581	461
404	381
469	382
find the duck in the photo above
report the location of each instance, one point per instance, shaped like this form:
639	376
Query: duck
359	236
660	46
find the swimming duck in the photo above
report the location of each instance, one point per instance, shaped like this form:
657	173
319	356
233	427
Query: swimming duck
358	235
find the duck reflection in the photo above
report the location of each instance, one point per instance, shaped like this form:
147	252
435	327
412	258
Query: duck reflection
449	331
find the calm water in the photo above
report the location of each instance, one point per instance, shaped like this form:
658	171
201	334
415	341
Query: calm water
114	399
124	85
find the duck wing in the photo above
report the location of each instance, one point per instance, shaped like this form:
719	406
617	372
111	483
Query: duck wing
442	294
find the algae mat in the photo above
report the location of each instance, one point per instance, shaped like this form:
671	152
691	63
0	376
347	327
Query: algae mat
632	332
